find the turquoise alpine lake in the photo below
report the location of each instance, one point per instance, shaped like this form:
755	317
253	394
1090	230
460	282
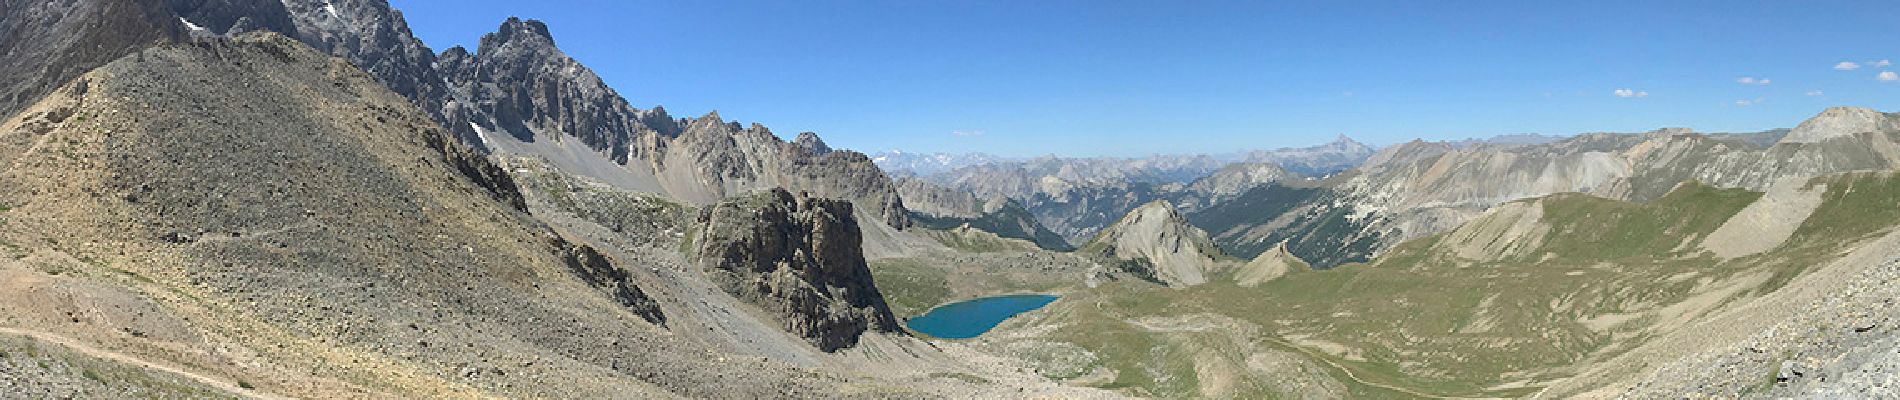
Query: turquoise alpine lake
967	319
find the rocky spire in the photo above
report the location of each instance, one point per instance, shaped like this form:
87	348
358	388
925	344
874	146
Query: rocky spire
518	32
811	143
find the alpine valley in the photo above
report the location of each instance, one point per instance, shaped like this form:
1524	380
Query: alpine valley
300	199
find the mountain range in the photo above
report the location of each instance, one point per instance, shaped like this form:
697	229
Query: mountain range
298	198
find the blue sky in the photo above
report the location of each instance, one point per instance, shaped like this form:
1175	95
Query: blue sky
1142	77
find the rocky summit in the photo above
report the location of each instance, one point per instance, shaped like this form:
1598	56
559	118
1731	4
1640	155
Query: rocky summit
300	199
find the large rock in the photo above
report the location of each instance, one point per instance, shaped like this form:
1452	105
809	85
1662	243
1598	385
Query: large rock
800	259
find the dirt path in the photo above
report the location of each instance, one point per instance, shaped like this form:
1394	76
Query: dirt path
83	348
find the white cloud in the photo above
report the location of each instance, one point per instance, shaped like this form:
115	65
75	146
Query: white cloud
1882	64
1630	93
1746	103
1846	66
1749	80
1887	76
974	133
1815	93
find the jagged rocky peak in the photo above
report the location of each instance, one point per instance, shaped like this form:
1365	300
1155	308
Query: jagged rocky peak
1842	121
517	31
375	37
518	83
799	258
236	16
811	143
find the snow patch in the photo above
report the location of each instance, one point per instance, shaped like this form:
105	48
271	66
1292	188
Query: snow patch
479	133
191	26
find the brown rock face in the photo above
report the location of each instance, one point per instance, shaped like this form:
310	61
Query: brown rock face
799	258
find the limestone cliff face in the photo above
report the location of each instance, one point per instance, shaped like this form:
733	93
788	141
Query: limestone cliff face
798	258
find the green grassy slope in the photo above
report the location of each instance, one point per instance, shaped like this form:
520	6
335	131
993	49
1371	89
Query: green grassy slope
1421	321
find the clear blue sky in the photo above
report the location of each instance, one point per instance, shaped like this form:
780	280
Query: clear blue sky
1141	77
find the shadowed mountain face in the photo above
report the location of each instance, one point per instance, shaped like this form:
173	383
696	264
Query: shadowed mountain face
47	43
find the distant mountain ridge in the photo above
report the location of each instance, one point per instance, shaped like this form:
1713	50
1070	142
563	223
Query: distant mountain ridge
1420	188
1076	197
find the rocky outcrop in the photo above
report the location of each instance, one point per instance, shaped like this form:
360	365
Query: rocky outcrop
1157	238
594	268
1269	265
798	258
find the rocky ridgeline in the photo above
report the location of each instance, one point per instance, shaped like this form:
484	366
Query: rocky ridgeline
798	258
518	84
